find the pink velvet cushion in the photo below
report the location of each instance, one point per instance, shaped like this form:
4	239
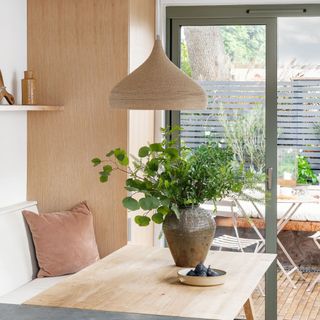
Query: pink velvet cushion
64	241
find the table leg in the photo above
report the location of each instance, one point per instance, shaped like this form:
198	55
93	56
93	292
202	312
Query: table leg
287	213
248	310
295	267
287	216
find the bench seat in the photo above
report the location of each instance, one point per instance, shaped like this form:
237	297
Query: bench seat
30	289
18	263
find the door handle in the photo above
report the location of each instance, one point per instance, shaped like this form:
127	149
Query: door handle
269	178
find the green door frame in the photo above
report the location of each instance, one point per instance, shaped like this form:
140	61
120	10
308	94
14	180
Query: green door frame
246	15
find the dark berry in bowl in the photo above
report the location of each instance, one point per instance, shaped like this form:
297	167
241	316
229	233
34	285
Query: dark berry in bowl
200	269
191	273
211	272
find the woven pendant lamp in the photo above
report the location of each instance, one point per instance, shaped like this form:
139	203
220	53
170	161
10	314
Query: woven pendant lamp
158	85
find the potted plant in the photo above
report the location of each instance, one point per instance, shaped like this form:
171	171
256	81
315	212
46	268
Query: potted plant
168	182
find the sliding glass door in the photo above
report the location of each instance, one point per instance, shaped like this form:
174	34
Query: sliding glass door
229	58
263	105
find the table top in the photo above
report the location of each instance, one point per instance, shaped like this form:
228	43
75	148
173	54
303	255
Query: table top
143	280
297	199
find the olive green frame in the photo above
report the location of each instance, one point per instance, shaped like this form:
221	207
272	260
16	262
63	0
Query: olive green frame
246	15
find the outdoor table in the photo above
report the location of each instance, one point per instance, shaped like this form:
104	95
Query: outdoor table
295	202
143	280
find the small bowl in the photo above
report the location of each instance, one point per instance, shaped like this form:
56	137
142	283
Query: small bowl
201	281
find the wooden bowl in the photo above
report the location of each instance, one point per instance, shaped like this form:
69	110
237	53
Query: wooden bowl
201	281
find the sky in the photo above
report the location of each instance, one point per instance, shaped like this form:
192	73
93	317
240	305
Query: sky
299	38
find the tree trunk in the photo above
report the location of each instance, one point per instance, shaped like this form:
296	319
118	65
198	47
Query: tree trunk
207	57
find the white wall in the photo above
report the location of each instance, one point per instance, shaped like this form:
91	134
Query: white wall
13	125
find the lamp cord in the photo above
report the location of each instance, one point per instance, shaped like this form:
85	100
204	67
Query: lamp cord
158	19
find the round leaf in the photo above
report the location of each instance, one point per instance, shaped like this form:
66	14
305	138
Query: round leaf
103	178
157	218
131	204
107	169
125	161
143	151
96	161
156	147
163	210
142	221
121	156
149	203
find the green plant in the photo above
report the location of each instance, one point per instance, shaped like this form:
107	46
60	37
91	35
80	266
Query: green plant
245	135
166	177
305	173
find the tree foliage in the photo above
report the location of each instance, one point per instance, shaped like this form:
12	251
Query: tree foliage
244	44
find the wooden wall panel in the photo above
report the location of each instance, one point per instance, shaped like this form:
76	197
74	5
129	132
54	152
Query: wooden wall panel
141	128
78	50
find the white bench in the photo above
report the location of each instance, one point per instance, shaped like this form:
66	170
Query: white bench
18	265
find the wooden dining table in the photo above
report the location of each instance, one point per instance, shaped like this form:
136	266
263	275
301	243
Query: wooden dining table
143	280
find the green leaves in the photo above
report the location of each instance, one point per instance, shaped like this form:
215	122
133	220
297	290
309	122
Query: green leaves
152	166
135	185
131	204
96	161
143	152
163	210
104	175
149	203
121	156
142	221
167	176
173	153
110	153
156	147
157	218
305	173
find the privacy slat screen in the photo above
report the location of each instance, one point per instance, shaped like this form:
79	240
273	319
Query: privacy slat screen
298	113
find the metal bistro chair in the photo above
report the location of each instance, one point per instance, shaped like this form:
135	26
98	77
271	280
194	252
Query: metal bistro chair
228	209
316	239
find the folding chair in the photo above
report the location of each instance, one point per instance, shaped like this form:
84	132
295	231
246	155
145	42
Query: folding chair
316	239
228	209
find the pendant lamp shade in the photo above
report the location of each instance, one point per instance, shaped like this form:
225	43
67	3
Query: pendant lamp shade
158	85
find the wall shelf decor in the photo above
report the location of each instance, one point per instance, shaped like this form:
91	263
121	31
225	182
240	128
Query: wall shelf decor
22	107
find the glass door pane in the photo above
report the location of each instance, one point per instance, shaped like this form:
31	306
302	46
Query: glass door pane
298	164
229	62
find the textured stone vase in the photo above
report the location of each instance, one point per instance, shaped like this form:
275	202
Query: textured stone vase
189	237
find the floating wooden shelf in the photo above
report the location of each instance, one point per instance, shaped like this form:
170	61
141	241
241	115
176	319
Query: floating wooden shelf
30	108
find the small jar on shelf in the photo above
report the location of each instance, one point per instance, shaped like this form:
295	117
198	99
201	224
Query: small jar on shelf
28	85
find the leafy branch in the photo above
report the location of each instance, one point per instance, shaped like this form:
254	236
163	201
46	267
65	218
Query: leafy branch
170	177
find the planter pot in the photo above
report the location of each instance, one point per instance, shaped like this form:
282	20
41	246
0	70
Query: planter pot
189	237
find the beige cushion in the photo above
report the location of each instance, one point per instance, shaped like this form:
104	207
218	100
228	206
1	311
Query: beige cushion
30	289
64	241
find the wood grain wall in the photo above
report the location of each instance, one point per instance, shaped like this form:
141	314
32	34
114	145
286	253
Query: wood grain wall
141	123
78	50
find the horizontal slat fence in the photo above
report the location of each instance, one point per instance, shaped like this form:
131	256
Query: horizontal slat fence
298	113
